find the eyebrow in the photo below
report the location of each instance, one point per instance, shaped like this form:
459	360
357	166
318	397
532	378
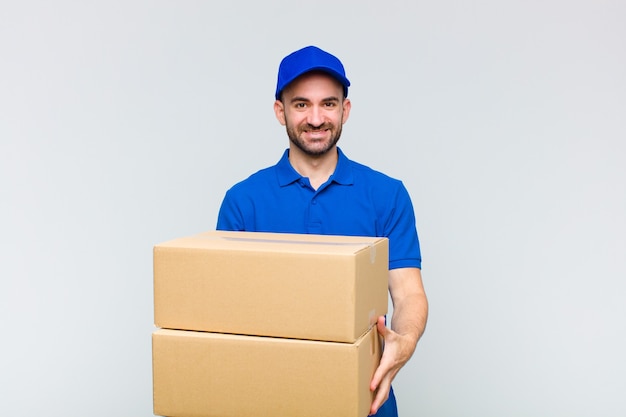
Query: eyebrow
325	100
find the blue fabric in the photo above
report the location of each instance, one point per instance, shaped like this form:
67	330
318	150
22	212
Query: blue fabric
355	201
389	407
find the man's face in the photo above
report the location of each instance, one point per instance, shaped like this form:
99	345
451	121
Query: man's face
313	111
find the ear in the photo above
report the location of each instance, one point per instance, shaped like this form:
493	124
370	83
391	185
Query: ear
279	110
347	105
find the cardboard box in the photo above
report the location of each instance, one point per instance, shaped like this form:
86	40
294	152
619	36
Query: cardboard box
205	374
329	288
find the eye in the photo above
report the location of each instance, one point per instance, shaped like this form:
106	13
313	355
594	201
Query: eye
300	105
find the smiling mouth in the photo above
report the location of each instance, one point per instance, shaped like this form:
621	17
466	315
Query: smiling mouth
316	134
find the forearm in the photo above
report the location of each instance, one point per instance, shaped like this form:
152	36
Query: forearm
409	320
410	306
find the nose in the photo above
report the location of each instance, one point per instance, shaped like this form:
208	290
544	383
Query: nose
315	116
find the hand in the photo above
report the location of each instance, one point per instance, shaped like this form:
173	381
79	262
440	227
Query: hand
396	352
410	313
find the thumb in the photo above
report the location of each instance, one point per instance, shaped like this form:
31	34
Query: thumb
380	325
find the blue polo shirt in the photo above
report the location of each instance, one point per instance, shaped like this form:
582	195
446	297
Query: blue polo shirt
355	201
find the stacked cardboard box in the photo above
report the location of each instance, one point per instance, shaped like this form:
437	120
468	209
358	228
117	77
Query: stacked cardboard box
255	324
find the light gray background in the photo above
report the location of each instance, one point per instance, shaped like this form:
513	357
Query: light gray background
122	124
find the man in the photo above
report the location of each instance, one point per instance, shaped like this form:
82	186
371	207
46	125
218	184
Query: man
316	189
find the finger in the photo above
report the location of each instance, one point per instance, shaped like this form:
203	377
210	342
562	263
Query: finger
381	396
375	380
380	325
383	369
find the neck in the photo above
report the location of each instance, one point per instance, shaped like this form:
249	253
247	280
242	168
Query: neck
316	168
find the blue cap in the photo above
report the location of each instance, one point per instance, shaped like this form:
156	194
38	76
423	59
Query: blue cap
310	58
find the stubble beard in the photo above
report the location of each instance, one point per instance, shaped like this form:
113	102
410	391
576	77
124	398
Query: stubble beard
294	134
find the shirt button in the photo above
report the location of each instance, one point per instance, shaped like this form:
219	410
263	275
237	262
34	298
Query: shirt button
314	202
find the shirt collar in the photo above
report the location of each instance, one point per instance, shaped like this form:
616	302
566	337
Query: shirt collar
287	174
343	171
